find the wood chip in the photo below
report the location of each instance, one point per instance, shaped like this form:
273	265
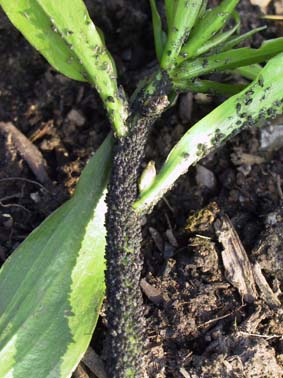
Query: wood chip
95	364
171	238
152	293
156	237
238	158
237	266
28	151
251	324
266	292
184	373
80	372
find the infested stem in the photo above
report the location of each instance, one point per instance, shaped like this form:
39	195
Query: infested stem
124	262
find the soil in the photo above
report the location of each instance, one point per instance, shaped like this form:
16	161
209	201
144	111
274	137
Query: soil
198	323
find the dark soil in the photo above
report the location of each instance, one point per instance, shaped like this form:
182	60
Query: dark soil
198	325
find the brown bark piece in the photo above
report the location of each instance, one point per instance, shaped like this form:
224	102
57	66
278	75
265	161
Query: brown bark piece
152	293
28	151
94	363
266	292
238	269
80	372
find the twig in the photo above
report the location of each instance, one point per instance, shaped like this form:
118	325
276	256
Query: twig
264	336
15	205
26	180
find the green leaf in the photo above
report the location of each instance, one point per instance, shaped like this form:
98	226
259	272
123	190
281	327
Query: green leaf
170	6
212	21
263	98
241	38
185	16
159	35
202	9
228	60
65	35
215	41
52	286
208	86
249	72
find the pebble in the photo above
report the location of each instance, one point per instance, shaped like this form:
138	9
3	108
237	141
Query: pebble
76	117
205	177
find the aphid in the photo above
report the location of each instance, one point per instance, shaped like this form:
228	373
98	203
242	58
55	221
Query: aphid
185	155
25	14
201	150
70	60
184	55
248	101
250	92
204	63
260	82
110	99
53	28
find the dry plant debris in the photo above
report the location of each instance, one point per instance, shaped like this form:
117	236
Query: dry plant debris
236	263
28	151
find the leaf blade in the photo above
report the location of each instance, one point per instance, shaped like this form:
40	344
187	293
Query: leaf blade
229	59
53	284
157	30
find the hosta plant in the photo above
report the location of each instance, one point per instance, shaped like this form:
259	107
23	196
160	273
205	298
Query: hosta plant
52	286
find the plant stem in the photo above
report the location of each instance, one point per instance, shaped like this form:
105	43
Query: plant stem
124	262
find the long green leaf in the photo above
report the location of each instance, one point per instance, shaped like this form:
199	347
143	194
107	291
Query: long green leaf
212	21
159	35
229	60
216	40
170	6
52	286
239	39
249	72
208	86
263	98
65	35
185	16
